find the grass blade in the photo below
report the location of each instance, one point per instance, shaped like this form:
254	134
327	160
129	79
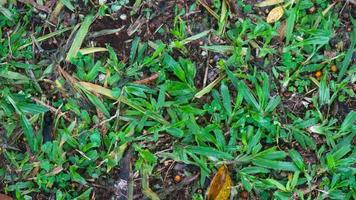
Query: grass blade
46	37
248	96
90	50
209	87
79	37
290	24
347	60
6	12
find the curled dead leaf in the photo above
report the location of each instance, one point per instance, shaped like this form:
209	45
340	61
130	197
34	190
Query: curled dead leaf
219	188
275	14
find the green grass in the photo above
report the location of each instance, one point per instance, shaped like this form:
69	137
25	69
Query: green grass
276	114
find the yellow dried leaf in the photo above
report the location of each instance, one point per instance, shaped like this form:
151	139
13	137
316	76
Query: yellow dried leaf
219	188
269	3
275	14
97	89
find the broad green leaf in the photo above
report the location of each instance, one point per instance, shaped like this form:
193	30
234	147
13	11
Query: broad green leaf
340	153
208	151
29	133
273	103
174	66
255	170
31	108
276	184
225	94
176	132
96	101
349	120
248	96
297	159
276	165
290	24
68	4
6	12
324	92
85	195
14	76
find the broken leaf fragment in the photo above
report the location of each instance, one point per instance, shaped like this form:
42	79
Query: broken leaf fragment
269	3
275	14
219	188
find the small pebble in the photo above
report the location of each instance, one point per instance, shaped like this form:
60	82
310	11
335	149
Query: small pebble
101	77
333	68
43	16
244	194
123	17
179	167
204	53
166	163
312	9
216	58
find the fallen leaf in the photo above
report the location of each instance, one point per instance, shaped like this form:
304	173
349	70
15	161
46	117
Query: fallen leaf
90	50
269	3
275	14
55	171
97	89
219	188
282	31
5	197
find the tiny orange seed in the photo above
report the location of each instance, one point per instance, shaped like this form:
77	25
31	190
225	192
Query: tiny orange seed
333	68
177	178
318	74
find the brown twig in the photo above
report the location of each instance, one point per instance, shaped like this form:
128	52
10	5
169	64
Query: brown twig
51	108
148	79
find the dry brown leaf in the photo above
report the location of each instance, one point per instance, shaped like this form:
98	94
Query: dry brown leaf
219	188
275	14
5	197
282	31
55	171
269	3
